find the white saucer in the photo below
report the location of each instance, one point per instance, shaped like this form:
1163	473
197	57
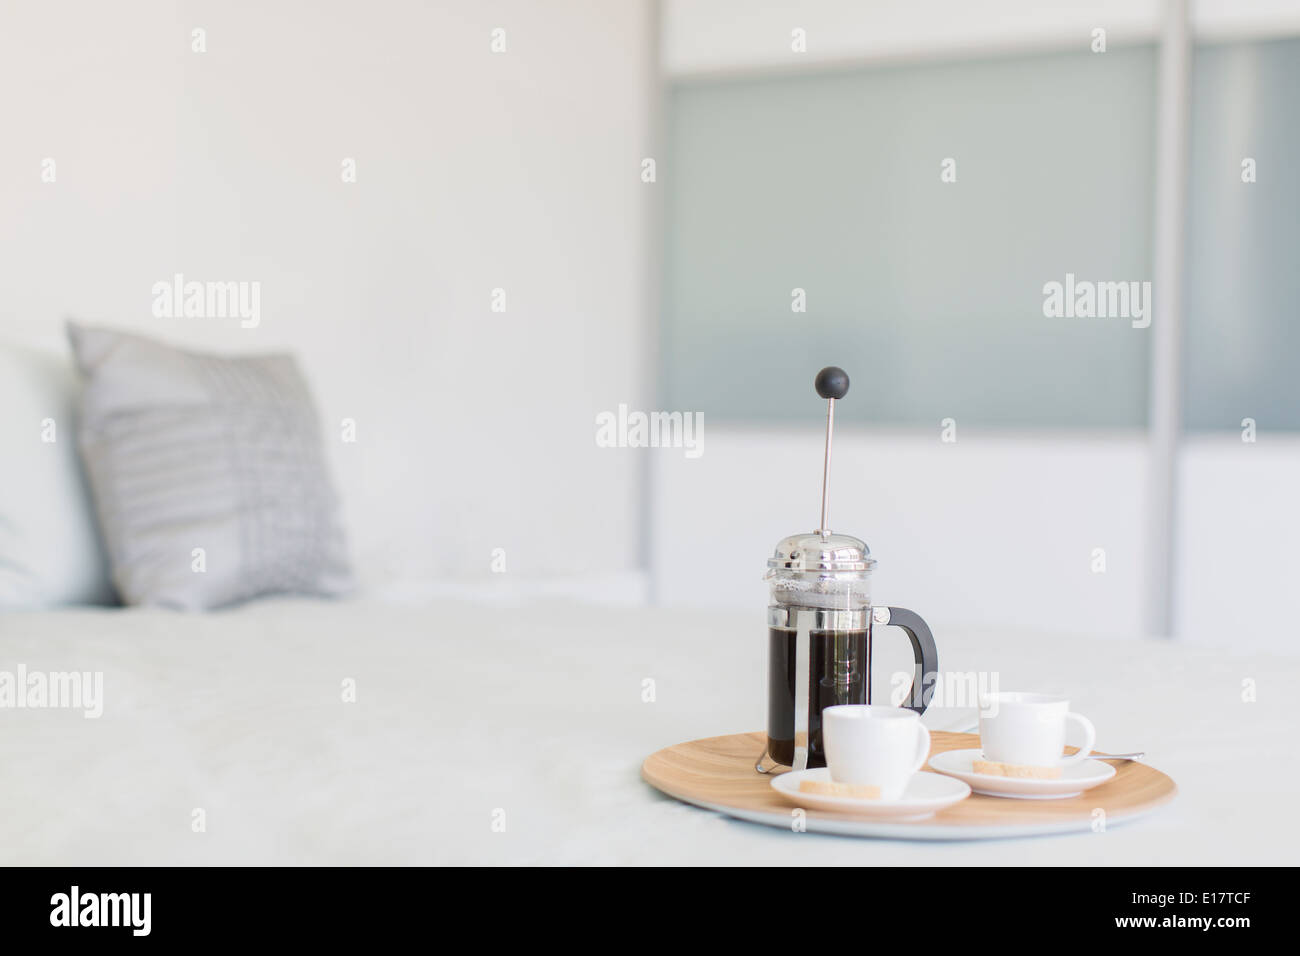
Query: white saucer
925	793
1074	778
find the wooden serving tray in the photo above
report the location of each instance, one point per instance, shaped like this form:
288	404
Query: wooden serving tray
717	773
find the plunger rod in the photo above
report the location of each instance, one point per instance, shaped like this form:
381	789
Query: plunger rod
831	383
826	467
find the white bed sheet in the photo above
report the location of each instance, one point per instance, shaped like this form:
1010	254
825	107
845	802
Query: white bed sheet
464	711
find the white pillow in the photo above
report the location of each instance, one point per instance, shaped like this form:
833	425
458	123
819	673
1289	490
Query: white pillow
50	550
209	474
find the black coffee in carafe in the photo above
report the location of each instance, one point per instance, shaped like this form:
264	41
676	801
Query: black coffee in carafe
820	627
837	671
837	674
781	694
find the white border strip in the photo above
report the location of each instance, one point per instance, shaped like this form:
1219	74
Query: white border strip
1173	99
722	38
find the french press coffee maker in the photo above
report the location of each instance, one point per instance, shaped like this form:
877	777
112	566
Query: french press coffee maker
821	624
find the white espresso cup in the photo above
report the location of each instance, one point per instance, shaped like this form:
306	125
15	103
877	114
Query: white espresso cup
875	745
1029	730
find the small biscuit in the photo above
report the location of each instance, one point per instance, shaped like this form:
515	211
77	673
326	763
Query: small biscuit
995	769
859	791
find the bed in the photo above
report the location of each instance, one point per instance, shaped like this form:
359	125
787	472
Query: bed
478	734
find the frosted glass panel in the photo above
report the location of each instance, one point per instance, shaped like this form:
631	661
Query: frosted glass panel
1243	303
929	293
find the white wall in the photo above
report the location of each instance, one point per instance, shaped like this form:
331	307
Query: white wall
1237	534
707	36
995	530
992	530
475	171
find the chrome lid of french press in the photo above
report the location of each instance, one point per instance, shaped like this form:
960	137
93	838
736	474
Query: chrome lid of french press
815	552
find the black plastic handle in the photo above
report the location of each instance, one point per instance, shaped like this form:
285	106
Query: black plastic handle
927	656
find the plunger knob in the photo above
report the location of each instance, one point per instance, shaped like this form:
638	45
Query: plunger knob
832	382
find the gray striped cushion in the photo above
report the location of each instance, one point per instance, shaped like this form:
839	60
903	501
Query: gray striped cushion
208	474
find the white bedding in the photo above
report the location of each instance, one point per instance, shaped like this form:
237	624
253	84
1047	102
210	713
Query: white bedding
538	711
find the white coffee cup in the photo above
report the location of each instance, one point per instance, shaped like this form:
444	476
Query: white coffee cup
875	745
1029	730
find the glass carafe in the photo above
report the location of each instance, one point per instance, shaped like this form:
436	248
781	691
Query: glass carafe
820	622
